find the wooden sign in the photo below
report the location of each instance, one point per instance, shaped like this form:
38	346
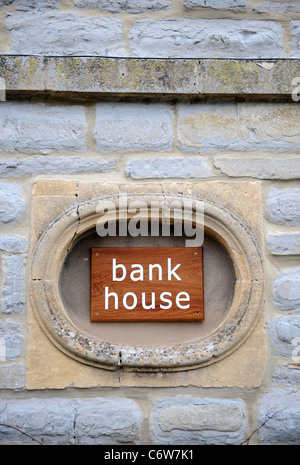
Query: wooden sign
146	284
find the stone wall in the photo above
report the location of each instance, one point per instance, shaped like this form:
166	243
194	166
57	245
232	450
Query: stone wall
176	142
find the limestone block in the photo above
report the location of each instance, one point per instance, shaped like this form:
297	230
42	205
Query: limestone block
295	45
287	375
168	168
129	6
261	168
234	5
277	7
183	420
11	337
13	294
12	376
19	168
124	127
64	34
281	408
13	244
221	127
206	38
38	128
25	5
71	421
284	206
284	244
12	207
287	290
283	330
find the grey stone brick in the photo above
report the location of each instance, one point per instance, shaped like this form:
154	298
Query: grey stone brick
284	244
13	244
277	7
261	168
283	331
12	376
12	206
71	421
26	5
13	295
288	375
186	420
124	127
15	167
206	38
295	44
235	5
284	206
130	6
281	408
38	128
11	338
62	33
168	168
287	290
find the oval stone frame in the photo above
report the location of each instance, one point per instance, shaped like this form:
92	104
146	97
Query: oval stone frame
220	223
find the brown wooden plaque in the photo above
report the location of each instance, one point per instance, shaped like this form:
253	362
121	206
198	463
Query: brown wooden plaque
146	284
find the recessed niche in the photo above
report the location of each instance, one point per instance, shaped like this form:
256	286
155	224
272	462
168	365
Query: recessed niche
74	285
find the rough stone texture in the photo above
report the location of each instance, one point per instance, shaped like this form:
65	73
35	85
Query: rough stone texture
37	128
295	45
235	5
168	168
12	376
13	295
282	409
206	38
71	421
13	244
10	340
261	168
124	127
288	375
64	34
15	167
284	206
287	290
277	7
25	5
212	127
283	330
198	421
129	6
284	244
12	206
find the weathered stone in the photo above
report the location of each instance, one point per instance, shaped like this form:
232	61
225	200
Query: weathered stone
16	167
13	295
235	5
221	38
198	421
168	168
277	7
284	206
220	127
130	6
283	331
123	127
71	421
13	244
10	340
284	244
38	128
12	207
25	5
288	375
64	34
279	416
295	45
12	376
261	168
287	290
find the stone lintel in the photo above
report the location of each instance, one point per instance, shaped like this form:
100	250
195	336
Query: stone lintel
97	77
